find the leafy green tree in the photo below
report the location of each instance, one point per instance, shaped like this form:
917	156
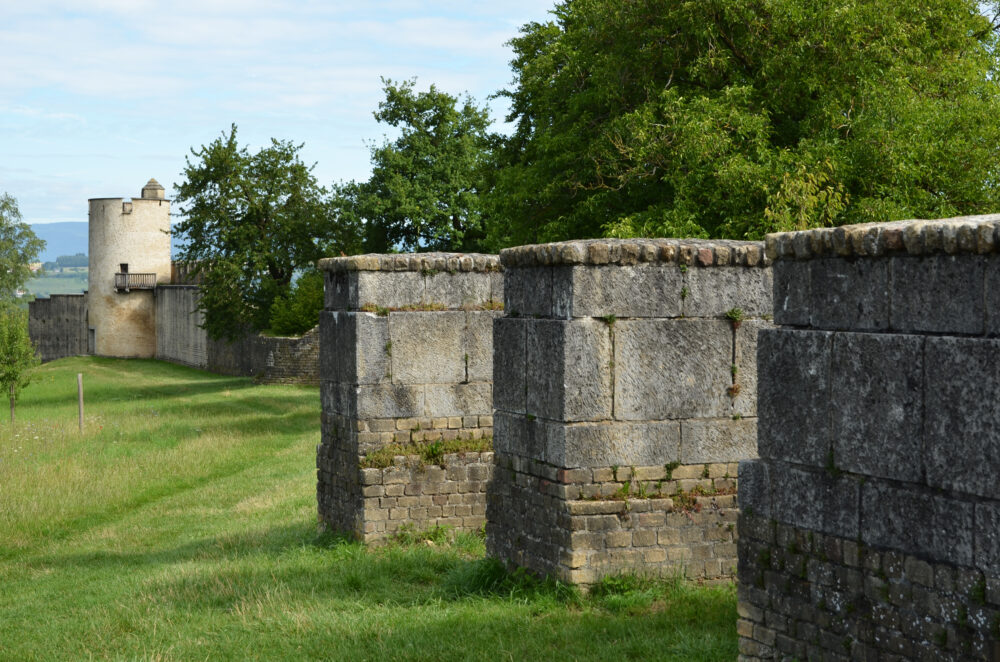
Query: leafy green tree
19	247
17	353
249	222
733	118
298	312
423	193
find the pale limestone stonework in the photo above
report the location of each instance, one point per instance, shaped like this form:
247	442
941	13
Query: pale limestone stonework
134	232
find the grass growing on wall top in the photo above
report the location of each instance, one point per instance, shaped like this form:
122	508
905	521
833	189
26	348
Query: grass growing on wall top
182	526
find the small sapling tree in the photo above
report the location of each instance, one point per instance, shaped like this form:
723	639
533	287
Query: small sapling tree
17	353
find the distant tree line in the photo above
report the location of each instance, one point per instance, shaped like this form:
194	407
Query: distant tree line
719	118
66	261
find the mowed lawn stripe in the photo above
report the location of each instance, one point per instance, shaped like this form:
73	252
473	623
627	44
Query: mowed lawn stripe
182	526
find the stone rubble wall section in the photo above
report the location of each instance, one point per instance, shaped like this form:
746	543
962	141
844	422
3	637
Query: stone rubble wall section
406	359
620	353
57	325
843	600
582	524
870	525
417	496
268	359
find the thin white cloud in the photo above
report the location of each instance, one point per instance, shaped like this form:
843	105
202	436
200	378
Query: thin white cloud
98	95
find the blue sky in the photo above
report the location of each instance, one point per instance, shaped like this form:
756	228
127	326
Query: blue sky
98	96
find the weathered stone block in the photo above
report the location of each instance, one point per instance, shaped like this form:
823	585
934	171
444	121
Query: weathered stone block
456	290
496	286
458	399
478	343
336	351
509	363
992	294
508	432
718	440
987	537
938	294
597	291
814	500
793	401
744	402
336	290
338	398
791	292
877	395
528	292
930	526
427	347
849	294
389	401
672	368
569	370
715	291
390	289
754	487
608	444
961	436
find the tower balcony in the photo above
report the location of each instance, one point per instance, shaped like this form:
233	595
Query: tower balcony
125	282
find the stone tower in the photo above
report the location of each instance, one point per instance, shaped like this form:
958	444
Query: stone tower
129	255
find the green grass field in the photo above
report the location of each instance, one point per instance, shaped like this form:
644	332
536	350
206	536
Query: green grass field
67	283
182	526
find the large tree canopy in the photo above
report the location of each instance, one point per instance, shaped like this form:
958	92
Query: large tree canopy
423	193
249	222
732	118
19	247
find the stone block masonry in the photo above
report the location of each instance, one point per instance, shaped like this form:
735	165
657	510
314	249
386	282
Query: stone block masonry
869	527
406	369
625	392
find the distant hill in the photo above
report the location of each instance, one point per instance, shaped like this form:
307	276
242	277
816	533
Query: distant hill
69	239
61	239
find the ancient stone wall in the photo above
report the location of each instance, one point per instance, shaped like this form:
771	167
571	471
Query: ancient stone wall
58	326
179	336
870	525
269	359
625	389
407	391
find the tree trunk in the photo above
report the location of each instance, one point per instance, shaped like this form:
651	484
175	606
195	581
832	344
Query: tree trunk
11	404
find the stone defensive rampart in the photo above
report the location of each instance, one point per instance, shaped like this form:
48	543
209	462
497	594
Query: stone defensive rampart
179	336
268	359
406	366
870	525
58	326
625	392
180	339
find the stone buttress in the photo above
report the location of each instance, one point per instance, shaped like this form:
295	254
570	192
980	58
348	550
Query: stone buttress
625	394
406	371
870	525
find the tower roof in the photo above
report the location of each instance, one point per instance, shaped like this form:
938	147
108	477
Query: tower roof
153	190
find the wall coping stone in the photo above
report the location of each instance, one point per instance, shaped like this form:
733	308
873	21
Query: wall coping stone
425	262
961	234
699	252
